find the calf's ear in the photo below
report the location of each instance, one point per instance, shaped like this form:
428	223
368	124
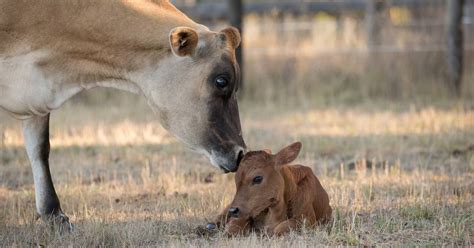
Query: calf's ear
288	154
183	41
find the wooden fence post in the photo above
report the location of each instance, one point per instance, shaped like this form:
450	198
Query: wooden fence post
454	36
372	29
235	19
373	22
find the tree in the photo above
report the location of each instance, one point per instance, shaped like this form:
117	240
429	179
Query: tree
454	36
373	12
235	19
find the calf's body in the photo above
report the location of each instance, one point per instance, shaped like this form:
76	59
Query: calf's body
275	197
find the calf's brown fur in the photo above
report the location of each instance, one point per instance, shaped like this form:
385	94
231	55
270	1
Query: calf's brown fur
273	196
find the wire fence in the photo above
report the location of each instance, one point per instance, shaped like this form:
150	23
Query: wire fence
402	25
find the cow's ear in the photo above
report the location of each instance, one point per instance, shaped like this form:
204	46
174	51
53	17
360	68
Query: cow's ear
232	36
288	154
183	41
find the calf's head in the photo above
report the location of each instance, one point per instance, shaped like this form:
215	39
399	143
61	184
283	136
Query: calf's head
259	182
193	91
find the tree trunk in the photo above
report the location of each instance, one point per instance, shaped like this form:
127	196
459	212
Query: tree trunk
454	35
235	19
372	24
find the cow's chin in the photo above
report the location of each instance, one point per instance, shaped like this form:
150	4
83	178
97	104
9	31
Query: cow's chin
223	163
223	169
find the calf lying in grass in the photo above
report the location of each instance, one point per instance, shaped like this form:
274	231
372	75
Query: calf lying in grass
274	197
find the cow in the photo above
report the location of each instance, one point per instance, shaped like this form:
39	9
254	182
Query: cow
274	197
51	50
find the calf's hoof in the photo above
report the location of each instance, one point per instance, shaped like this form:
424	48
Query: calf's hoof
206	230
211	226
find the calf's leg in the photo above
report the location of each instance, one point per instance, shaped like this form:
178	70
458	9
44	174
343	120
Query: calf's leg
36	135
236	226
285	227
220	220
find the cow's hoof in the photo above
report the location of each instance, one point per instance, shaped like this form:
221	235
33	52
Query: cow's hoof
64	224
59	222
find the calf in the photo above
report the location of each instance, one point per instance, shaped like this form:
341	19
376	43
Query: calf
273	196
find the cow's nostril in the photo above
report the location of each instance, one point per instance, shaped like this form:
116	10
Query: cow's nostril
234	212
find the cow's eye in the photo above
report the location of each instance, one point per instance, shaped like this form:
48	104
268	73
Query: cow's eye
221	82
257	180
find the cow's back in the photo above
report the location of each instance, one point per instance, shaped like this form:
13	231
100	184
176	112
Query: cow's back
55	49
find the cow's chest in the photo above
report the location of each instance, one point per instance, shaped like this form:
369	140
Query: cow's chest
25	90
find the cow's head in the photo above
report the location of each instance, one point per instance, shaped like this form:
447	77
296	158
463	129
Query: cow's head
194	93
259	182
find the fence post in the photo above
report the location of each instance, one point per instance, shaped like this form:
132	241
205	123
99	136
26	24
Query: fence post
454	36
371	24
235	19
373	10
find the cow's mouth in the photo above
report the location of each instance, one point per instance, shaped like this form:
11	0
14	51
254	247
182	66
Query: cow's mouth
225	170
239	159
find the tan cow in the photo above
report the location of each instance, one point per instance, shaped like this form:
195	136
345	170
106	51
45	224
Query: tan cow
50	50
273	196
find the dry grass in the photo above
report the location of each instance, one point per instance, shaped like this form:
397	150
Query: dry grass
126	182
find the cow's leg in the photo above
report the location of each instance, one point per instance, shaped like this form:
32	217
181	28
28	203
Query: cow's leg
36	134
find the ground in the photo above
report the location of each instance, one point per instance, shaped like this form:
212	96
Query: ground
396	174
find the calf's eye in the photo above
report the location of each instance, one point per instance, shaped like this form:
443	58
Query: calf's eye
257	180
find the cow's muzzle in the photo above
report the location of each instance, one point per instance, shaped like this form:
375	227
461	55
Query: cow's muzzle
228	163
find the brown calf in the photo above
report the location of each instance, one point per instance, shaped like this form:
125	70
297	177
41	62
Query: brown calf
273	196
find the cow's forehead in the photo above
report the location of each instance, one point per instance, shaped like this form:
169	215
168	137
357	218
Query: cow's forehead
212	44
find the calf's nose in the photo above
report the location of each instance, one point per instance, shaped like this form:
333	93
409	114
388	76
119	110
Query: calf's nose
234	212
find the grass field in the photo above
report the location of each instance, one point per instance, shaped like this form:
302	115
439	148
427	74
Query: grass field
397	174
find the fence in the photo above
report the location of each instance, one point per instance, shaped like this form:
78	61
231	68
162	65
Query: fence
381	26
